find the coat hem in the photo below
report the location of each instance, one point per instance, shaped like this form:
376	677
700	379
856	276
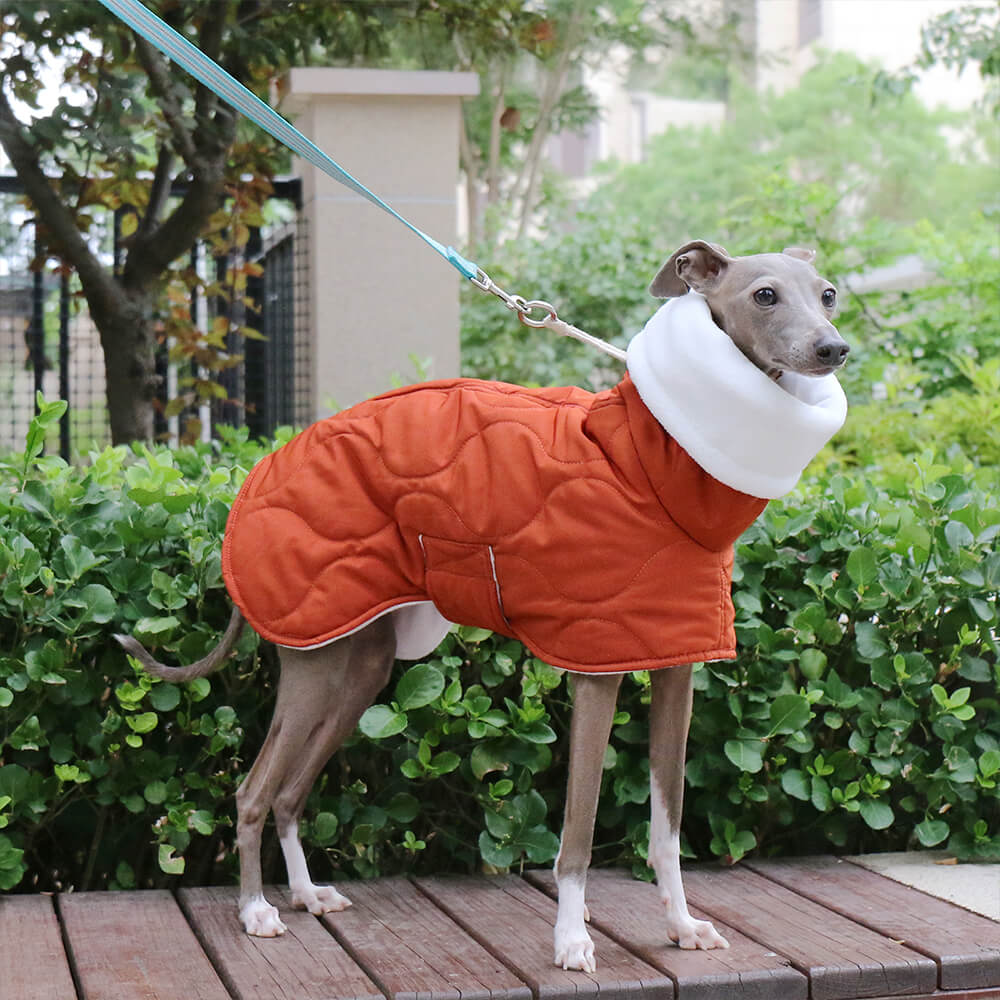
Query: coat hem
621	667
325	638
700	656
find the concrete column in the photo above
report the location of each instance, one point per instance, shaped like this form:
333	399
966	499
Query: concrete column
378	294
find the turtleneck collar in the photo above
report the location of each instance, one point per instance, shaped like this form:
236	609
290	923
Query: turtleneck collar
749	432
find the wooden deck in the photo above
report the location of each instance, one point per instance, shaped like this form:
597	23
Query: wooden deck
816	928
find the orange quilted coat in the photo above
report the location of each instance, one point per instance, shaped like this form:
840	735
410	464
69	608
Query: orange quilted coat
567	519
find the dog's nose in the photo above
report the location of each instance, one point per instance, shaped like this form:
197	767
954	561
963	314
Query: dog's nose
832	352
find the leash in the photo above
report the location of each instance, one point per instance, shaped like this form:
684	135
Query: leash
550	320
188	56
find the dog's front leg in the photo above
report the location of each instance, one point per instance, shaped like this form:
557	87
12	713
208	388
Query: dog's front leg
669	718
594	697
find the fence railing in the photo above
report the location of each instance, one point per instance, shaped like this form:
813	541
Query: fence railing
48	341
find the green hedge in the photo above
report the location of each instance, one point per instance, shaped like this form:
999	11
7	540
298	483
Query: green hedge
862	713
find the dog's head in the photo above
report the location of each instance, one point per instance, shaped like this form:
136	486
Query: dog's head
774	306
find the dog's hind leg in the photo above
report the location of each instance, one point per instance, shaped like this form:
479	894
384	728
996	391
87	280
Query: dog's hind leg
318	705
669	718
351	684
594	697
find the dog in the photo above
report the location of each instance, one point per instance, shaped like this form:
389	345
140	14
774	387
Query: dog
599	532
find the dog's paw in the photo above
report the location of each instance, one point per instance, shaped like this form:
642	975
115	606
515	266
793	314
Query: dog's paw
575	951
319	899
260	919
694	934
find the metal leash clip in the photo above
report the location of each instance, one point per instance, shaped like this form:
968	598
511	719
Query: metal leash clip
515	303
523	307
537	304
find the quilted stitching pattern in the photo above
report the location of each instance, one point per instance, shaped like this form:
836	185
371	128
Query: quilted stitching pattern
611	548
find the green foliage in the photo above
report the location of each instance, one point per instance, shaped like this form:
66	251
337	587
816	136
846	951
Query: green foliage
91	748
967	34
893	160
616	257
862	712
867	618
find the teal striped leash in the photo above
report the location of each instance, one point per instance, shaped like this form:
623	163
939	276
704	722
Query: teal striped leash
176	47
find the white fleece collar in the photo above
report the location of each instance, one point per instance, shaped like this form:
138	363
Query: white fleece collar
748	431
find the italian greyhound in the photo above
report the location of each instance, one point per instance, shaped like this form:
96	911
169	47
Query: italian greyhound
778	311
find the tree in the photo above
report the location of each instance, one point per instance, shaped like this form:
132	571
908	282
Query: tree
965	36
133	134
530	57
893	160
532	88
968	34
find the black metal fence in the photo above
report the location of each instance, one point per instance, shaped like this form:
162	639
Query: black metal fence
48	341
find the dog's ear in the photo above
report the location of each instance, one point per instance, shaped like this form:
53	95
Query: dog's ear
801	253
697	265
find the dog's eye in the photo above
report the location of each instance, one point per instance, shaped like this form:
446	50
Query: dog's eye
829	298
765	296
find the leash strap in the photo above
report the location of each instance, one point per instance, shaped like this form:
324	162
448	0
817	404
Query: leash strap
176	47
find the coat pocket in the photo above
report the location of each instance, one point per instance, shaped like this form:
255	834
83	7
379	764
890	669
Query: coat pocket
461	581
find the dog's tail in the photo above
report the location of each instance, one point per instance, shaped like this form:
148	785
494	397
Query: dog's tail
203	667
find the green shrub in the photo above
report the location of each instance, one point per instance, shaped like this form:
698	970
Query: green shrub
95	756
886	435
862	712
875	606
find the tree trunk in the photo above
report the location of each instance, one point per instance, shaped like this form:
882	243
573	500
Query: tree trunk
129	343
470	163
555	80
493	170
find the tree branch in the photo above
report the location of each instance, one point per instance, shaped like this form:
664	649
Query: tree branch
203	146
159	190
470	162
210	42
550	97
493	170
152	251
98	284
163	87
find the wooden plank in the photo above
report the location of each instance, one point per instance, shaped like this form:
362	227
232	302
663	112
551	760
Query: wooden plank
413	951
843	960
987	994
515	921
631	912
966	946
306	962
34	964
132	945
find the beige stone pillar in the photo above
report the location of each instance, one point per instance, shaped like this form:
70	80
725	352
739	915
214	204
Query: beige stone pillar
378	294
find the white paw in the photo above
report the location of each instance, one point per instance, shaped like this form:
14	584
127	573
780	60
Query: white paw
694	934
319	899
261	919
575	950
